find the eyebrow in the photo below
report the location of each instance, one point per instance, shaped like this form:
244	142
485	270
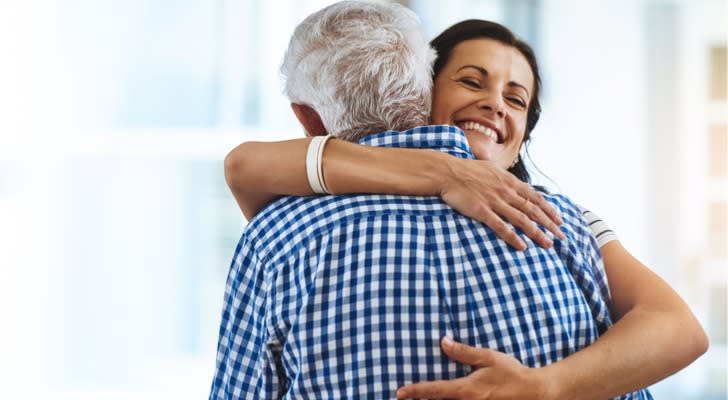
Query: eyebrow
485	73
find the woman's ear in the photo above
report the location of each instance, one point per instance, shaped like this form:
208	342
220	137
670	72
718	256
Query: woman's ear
310	119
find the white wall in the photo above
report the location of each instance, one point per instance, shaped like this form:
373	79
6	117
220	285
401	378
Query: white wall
591	139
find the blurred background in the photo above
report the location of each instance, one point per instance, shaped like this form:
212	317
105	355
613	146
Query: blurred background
117	228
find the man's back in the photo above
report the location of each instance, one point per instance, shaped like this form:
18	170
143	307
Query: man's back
348	296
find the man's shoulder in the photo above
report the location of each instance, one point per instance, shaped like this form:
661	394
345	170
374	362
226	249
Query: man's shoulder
564	205
445	138
416	135
335	208
575	226
292	219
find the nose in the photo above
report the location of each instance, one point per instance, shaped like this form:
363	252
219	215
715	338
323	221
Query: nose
494	105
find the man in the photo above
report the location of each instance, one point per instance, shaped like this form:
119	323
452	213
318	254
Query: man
348	296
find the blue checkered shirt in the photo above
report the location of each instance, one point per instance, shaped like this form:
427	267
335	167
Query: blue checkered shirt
337	297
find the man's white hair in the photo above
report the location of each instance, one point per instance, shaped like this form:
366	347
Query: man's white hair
365	67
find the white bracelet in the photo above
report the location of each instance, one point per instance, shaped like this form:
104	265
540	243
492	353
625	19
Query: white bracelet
314	170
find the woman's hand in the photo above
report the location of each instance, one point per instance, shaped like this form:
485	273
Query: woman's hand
496	376
483	191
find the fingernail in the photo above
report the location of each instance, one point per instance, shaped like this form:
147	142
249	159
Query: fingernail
447	342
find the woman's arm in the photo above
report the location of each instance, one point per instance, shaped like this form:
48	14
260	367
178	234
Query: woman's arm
258	172
655	335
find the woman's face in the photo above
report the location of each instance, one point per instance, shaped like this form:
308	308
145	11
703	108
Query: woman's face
485	89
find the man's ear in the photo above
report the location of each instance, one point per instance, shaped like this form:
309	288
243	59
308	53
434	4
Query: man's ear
309	118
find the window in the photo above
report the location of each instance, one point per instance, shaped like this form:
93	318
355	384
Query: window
718	232
718	67
718	149
718	298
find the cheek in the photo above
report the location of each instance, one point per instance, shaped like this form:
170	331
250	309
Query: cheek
519	125
437	117
444	102
438	112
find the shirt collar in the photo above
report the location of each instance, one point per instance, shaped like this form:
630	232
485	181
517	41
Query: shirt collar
447	138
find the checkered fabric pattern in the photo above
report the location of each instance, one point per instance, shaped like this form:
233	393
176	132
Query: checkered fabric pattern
333	297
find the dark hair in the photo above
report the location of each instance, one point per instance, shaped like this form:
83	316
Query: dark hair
476	29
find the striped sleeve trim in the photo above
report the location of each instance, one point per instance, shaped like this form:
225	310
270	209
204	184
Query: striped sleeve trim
599	228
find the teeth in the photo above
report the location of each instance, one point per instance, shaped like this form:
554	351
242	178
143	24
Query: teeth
474	126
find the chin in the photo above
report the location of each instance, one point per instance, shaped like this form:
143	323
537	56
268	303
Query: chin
482	155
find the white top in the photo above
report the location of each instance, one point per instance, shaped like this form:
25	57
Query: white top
599	228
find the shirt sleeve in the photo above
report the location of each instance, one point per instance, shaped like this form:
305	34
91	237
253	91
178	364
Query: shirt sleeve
599	228
243	360
602	235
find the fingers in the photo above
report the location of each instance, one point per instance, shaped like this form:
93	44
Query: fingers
500	200
464	354
432	390
543	212
539	216
533	213
503	210
526	191
535	207
521	220
522	206
502	229
456	388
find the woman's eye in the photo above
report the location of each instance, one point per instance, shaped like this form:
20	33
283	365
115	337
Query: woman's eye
471	82
517	101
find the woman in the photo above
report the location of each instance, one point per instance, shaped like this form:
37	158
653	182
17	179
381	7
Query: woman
486	82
